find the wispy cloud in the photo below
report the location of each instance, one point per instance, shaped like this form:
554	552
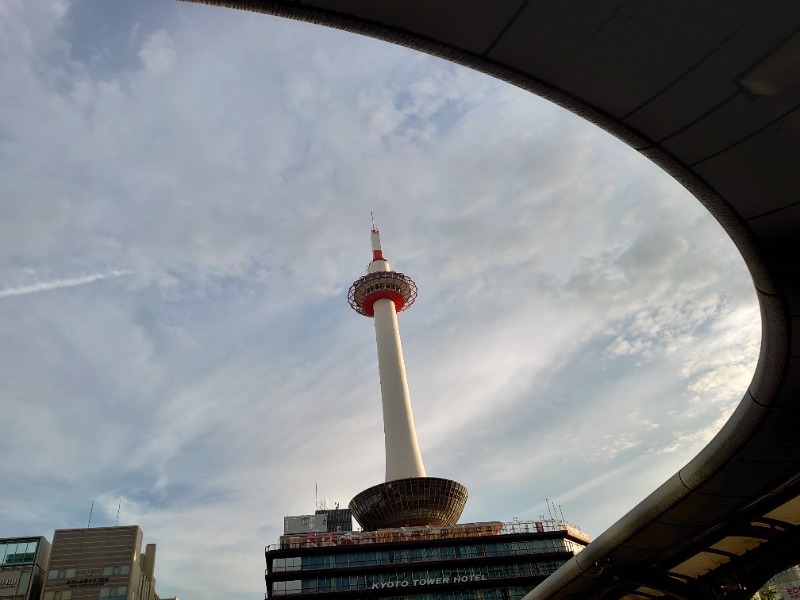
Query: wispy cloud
54	284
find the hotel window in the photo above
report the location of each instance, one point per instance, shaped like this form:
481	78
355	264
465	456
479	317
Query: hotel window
65	595
282	588
114	593
58	574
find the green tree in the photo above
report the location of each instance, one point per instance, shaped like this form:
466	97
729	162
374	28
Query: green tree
769	592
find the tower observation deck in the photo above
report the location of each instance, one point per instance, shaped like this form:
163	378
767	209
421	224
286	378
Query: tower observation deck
408	497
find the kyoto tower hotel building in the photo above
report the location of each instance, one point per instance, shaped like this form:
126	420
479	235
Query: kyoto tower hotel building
411	546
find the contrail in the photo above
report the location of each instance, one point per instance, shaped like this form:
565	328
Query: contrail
54	284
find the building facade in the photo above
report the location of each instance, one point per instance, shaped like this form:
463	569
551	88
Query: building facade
23	563
100	563
324	520
474	561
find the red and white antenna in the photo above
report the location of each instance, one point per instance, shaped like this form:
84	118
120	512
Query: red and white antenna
375	237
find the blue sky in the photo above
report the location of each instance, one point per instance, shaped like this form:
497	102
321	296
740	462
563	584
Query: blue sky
185	194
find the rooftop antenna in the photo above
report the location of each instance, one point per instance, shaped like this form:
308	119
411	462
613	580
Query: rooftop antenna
562	513
372	216
549	512
118	507
89	524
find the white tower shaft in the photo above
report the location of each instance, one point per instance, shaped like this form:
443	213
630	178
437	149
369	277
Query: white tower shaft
402	450
403	458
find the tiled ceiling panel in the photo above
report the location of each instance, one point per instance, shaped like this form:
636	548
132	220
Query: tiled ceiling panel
613	54
714	77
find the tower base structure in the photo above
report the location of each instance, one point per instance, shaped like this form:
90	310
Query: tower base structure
410	502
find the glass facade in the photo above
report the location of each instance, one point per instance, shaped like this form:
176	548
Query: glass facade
18	552
114	593
415	578
337	519
473	561
425	554
509	593
505	593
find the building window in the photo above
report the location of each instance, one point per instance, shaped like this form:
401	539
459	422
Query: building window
18	553
114	593
116	570
61	573
283	588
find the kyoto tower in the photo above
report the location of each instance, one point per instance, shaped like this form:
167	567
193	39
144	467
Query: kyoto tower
408	497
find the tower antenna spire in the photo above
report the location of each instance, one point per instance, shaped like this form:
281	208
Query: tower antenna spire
372	216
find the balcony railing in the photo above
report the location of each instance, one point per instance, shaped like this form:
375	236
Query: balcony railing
408	534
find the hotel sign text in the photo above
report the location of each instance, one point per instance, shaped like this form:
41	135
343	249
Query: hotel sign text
428	581
8	582
88	582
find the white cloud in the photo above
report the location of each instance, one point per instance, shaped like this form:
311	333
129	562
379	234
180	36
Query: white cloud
54	284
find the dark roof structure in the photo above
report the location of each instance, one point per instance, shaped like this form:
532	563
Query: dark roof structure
710	92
